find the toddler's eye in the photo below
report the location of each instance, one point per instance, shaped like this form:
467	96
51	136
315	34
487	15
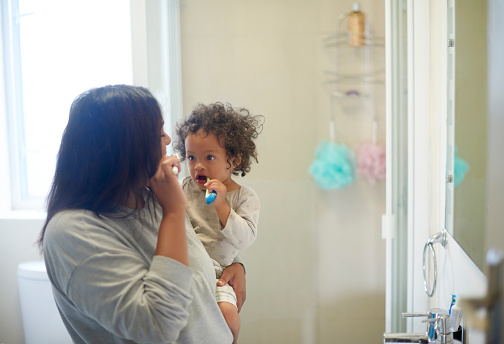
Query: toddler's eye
210	157
190	157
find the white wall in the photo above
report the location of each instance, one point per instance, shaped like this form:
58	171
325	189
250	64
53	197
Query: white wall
316	273
17	245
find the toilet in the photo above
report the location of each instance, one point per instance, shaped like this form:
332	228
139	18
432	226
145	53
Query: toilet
41	320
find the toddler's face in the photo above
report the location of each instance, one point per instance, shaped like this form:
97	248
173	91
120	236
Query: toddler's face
207	158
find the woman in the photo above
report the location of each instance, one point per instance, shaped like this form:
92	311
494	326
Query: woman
123	260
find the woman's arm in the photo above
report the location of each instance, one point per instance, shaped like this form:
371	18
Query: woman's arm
241	227
113	282
172	239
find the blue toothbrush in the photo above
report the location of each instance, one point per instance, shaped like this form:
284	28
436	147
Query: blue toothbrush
210	196
452	303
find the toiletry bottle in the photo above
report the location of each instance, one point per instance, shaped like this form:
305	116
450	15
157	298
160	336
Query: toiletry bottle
356	26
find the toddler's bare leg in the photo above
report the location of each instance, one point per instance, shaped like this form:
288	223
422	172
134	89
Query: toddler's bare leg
232	317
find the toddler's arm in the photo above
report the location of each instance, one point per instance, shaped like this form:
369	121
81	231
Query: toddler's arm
241	226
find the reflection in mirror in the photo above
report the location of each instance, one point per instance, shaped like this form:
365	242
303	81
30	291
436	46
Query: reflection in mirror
466	194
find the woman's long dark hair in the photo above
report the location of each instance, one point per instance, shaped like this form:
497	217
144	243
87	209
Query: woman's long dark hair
109	150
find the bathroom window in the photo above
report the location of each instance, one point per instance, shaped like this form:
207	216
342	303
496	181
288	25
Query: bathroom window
53	50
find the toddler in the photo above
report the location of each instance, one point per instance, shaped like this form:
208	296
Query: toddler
217	142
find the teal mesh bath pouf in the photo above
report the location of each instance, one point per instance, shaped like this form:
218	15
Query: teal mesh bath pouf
333	167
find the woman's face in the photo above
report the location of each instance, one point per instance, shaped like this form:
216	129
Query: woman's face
165	141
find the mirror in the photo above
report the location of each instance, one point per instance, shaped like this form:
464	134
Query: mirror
467	126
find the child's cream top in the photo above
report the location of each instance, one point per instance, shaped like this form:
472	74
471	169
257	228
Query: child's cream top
223	244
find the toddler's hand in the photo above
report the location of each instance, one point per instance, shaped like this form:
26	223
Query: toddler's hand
217	186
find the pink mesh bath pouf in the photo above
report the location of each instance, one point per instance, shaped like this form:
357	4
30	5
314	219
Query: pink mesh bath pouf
371	162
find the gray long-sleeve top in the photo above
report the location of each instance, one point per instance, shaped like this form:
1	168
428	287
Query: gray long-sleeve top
110	287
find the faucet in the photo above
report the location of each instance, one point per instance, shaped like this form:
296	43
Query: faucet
438	330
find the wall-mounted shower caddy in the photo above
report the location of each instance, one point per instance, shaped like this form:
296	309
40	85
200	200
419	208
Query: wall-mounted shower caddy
353	85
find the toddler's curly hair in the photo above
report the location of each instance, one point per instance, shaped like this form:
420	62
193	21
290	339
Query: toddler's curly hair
235	129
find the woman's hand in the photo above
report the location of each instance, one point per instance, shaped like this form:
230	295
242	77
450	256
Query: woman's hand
166	187
172	237
234	275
